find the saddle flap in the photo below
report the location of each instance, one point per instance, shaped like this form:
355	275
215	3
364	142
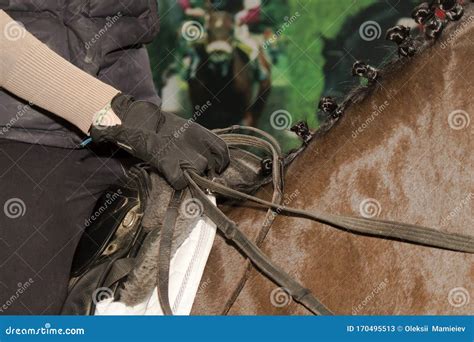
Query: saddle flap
113	225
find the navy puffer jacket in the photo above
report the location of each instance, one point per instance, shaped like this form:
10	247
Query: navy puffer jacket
102	37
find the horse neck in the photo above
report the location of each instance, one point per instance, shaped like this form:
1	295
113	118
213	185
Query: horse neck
398	151
407	158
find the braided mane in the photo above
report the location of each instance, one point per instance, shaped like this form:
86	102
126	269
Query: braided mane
420	43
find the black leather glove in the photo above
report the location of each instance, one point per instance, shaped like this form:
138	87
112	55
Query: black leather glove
169	143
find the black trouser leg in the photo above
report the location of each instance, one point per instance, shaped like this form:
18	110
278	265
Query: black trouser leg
46	194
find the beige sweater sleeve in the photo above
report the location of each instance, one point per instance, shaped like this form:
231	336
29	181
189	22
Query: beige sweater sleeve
32	71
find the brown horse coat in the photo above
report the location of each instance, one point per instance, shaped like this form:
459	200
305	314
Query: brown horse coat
404	153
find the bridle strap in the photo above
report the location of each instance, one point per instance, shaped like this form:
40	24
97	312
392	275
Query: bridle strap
232	233
271	146
164	251
360	225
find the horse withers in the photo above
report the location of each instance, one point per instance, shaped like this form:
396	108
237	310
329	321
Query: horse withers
228	76
402	151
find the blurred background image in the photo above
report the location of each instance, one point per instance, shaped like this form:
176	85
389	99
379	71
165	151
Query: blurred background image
266	63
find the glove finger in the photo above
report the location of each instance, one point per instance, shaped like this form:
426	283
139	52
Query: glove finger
197	163
171	170
220	153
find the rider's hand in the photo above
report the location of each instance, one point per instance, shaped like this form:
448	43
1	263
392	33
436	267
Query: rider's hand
166	141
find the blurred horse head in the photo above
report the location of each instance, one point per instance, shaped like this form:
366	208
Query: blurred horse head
226	77
220	34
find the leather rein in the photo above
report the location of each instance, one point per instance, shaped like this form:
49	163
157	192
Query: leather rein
199	186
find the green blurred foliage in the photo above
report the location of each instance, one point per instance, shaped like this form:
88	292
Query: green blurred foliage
164	50
317	19
298	78
274	12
